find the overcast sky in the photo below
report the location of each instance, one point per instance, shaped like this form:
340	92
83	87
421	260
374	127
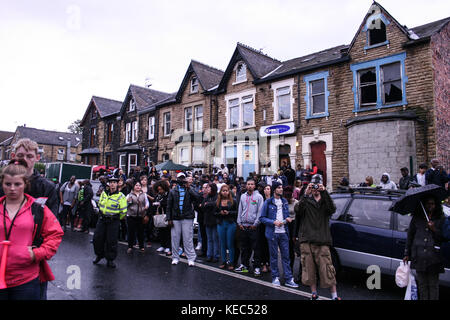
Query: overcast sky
55	55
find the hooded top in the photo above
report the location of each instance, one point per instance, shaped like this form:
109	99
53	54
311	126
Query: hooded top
389	184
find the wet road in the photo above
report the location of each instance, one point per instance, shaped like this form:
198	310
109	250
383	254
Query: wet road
150	276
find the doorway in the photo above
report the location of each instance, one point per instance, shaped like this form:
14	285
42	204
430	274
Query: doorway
283	156
318	157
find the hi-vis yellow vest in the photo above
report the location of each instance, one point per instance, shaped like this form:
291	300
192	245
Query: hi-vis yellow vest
114	204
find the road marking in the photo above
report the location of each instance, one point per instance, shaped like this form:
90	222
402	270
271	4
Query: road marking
239	276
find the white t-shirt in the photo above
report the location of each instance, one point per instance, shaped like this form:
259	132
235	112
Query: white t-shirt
279	205
421	179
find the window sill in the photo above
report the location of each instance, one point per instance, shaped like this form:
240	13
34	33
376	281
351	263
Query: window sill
239	82
318	116
283	121
240	128
386	43
378	107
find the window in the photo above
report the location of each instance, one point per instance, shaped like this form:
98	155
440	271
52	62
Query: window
151	128
371	213
283	103
166	118
340	204
247	107
184	156
110	131
377	32
241	72
92	137
198	125
132	105
40	149
188	119
380	83
128	132
403	222
198	154
234	113
317	95
134	135
241	111
194	85
367	87
392	83
60	155
165	157
375	29
123	162
94	113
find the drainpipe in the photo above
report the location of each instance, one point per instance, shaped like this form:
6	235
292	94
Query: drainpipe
298	102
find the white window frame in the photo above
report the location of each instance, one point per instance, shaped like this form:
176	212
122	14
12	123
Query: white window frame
243	97
198	121
128	132
275	87
186	119
151	128
132	105
129	161
184	155
242	77
194	85
198	154
165	122
134	131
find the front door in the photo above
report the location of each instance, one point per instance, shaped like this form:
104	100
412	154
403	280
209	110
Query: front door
318	156
249	160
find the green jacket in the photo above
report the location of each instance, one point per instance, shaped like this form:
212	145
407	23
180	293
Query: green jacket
313	218
113	204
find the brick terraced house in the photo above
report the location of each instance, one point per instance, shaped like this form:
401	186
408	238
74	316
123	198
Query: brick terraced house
372	106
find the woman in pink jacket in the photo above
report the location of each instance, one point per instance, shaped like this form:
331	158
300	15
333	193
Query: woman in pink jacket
26	264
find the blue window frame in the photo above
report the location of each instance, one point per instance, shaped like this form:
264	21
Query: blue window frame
379	83
376	23
317	94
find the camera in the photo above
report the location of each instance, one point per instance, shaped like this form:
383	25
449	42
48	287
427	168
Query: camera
315	187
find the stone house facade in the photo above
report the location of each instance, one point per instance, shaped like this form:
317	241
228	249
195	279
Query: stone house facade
100	132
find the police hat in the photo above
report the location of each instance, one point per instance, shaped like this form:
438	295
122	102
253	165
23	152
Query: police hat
113	179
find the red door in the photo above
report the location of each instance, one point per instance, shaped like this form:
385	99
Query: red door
318	156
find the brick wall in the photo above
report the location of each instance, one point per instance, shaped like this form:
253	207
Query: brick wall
441	70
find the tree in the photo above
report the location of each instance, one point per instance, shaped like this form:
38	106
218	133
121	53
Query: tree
75	127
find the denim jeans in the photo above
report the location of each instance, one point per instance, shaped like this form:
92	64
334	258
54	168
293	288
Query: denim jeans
280	240
227	232
213	242
27	291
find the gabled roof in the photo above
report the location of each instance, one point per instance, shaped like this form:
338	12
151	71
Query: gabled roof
105	107
49	137
258	63
208	77
387	14
6	142
171	99
145	98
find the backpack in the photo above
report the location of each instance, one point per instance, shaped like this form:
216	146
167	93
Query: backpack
37	210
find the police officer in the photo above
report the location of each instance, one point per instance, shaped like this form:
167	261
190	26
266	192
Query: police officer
113	207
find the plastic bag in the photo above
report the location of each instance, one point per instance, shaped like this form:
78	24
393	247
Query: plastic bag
411	290
402	274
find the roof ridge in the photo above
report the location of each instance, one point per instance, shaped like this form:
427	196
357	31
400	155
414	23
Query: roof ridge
50	130
317	52
256	51
141	87
207	65
107	99
425	24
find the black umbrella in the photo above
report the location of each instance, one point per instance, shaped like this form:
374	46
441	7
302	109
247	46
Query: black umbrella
407	203
170	166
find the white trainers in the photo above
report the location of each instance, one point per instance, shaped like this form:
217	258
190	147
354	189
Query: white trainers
191	263
199	246
166	250
276	282
291	284
160	249
175	261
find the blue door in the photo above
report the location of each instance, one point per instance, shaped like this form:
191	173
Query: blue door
248	160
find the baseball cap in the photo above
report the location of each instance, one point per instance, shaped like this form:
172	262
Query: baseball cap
181	175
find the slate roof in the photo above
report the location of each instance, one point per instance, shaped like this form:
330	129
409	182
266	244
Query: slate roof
6	142
4	135
208	76
313	60
107	107
49	137
146	99
431	28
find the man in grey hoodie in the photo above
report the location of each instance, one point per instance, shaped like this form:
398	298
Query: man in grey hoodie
249	211
386	183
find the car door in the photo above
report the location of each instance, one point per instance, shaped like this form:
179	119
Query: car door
368	235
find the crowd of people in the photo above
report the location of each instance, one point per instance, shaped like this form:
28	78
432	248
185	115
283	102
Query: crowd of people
243	225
